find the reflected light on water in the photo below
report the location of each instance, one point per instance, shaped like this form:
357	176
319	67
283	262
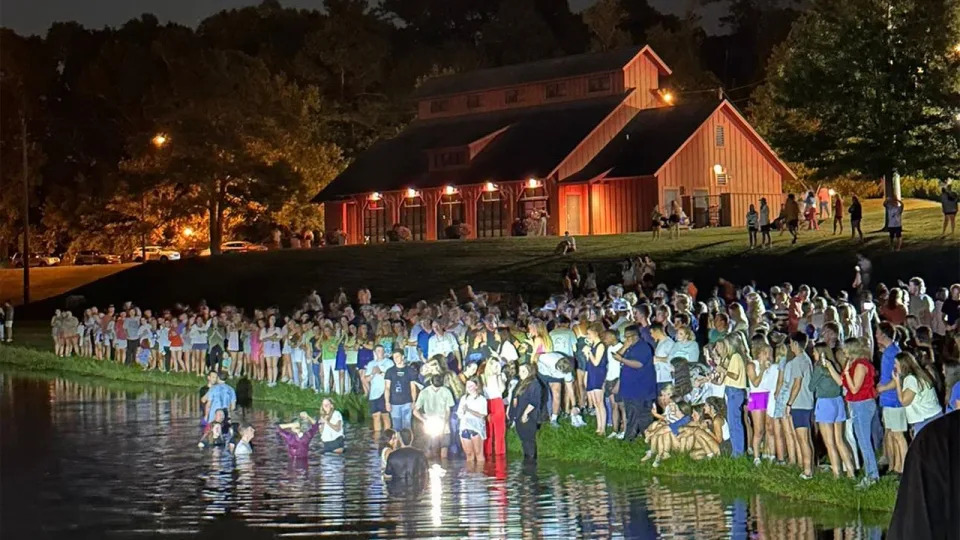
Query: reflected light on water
93	462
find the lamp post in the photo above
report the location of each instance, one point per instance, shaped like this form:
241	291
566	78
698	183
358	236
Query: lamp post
159	141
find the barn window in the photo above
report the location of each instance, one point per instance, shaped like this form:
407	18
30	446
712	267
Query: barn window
722	179
449	214
490	215
473	102
413	215
375	222
556	90
438	105
720	136
599	84
512	96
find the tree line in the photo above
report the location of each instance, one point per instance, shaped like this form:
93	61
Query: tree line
149	129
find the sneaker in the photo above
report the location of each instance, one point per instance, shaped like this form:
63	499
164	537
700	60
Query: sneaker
865	483
656	463
756	461
621	435
577	421
613	435
554	423
805	476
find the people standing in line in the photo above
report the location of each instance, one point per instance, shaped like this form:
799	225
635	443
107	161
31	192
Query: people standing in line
948	204
472	412
894	416
791	214
800	403
401	394
374	380
838	213
830	410
764	221
894	210
916	392
753	225
528	402
856	215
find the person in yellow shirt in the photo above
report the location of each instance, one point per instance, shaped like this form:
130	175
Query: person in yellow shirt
732	350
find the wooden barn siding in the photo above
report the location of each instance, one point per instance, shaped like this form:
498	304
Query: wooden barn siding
531	95
619	206
564	224
751	172
643	75
335	216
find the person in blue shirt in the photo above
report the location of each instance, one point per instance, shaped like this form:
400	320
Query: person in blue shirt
638	381
894	415
219	396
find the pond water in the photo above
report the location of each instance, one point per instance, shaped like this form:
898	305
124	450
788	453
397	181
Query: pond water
81	460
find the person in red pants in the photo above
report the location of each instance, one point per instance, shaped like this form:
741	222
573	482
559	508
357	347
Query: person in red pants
494	384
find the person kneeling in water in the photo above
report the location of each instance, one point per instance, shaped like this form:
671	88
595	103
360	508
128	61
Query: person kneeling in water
332	433
406	466
297	435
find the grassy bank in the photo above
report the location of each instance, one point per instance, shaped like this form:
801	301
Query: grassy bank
563	444
412	271
353	407
581	446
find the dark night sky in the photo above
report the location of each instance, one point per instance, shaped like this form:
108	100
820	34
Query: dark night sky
35	16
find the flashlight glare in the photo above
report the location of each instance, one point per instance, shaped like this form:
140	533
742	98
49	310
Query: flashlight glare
434	426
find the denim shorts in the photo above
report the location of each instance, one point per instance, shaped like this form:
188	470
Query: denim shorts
802	418
830	410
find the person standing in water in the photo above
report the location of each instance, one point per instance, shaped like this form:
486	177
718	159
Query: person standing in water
298	434
528	402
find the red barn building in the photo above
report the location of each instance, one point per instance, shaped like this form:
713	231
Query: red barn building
591	139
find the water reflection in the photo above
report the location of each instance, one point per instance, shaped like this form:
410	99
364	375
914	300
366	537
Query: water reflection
86	460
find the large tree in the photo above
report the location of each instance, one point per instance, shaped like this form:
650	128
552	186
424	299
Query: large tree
239	139
869	88
606	20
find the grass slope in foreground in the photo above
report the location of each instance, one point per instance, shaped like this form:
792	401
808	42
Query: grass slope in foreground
564	444
409	272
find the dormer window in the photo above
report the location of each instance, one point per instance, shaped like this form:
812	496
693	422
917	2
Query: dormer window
448	158
439	106
473	102
599	84
556	90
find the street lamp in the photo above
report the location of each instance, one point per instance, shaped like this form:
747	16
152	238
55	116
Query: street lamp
159	140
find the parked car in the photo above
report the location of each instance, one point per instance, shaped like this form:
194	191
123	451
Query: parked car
35	260
155	253
236	246
95	256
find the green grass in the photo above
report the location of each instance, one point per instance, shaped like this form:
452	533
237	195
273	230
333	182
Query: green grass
581	446
563	444
413	271
353	407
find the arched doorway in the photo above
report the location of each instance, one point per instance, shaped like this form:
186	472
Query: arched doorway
449	212
413	215
375	221
491	207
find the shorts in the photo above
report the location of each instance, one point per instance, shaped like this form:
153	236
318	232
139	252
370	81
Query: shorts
895	419
895	232
378	406
330	446
468	434
551	380
608	387
121	344
752	229
765	228
758	401
950	213
802	418
674	219
830	411
655	224
199	347
176	349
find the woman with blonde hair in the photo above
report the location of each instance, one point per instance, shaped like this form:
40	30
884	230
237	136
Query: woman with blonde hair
538	339
762	374
494	383
732	369
738	319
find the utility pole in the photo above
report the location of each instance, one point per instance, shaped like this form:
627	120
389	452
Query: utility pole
26	206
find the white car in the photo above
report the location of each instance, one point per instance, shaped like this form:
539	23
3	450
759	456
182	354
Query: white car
236	246
155	253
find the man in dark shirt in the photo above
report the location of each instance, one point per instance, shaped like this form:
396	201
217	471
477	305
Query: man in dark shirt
401	391
928	501
638	382
406	467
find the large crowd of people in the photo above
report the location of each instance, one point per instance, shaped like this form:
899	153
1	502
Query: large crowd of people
788	374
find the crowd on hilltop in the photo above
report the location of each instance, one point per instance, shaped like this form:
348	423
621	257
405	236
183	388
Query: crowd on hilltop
729	370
